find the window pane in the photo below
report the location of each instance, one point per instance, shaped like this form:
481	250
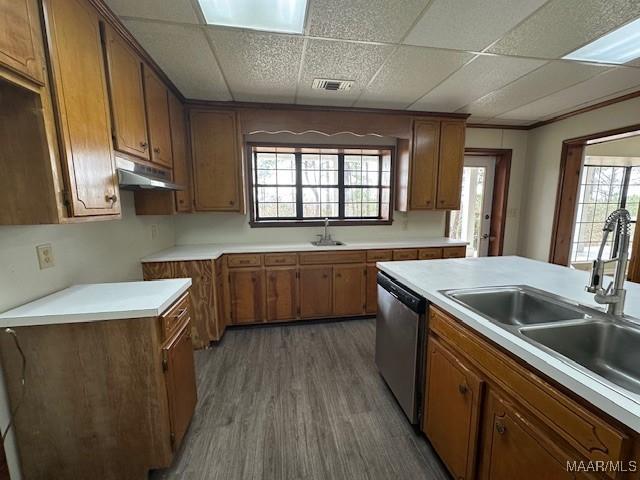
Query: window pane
370	178
386	163
286	177
370	164
286	161
385	195
266	161
329	162
352	162
370	195
352	195
267	194
311	177
386	179
353	209
369	209
267	177
353	178
329	195
310	162
329	210
268	210
329	177
310	195
286	194
286	209
311	210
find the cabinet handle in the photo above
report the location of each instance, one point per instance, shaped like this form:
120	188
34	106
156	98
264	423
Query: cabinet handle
500	428
156	150
144	145
231	202
111	198
339	275
463	389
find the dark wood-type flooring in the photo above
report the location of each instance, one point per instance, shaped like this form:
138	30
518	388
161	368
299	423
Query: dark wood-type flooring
302	401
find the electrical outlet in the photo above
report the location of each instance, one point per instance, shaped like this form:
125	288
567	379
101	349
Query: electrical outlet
154	231
45	256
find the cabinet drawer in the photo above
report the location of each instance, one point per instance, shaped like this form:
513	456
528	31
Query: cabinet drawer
405	254
379	255
318	258
245	260
589	434
454	252
175	316
280	259
429	253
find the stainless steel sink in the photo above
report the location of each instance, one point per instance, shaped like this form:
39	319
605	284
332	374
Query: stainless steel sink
327	243
517	305
611	350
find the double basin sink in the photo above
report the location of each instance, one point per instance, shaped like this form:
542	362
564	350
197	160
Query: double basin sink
606	346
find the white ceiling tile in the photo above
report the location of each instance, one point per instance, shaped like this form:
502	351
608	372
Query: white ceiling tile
469	24
184	54
410	73
260	67
366	20
339	61
169	10
551	78
608	83
562	26
483	75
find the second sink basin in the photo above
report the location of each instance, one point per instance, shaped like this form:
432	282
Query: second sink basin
517	305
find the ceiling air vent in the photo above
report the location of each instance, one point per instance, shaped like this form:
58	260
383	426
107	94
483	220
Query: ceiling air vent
332	85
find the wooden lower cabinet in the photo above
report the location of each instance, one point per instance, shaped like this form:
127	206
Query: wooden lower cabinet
282	293
452	409
349	289
372	289
316	291
247	295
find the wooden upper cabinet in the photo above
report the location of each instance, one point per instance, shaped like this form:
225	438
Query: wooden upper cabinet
282	293
247	295
127	97
157	102
451	163
217	165
316	291
20	38
452	409
349	289
84	122
424	164
181	176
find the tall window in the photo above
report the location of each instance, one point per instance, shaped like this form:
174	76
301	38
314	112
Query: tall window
293	184
603	189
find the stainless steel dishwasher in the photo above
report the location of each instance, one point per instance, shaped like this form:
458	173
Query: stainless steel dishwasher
400	338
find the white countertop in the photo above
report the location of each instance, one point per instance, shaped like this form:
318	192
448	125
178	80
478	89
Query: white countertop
98	301
182	253
428	277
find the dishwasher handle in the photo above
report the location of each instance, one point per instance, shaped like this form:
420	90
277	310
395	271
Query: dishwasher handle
401	293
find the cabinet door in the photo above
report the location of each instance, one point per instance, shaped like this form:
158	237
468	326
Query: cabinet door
180	150
316	292
282	293
515	448
452	406
349	285
450	165
217	167
82	107
157	103
127	97
372	289
424	164
180	379
247	294
20	47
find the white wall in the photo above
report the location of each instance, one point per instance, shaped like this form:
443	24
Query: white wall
625	147
84	253
543	167
515	140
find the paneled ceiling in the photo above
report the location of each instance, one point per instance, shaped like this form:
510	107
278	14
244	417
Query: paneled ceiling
499	60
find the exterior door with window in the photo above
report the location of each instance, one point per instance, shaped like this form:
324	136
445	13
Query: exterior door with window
473	221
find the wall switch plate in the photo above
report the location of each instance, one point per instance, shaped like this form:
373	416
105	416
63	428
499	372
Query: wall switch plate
154	231
45	256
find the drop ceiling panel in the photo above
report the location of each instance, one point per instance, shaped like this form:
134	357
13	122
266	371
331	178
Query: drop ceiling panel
469	24
259	67
577	96
339	61
409	73
562	26
366	20
481	76
184	55
544	81
170	10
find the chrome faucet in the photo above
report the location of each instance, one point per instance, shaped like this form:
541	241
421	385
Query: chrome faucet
325	239
614	294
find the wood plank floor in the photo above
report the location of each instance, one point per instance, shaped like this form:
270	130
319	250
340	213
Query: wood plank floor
299	402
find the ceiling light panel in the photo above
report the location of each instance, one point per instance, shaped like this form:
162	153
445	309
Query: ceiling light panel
562	26
409	73
469	24
619	46
364	20
483	75
286	16
184	55
259	66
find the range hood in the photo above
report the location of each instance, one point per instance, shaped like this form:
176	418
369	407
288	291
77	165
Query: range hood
134	176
